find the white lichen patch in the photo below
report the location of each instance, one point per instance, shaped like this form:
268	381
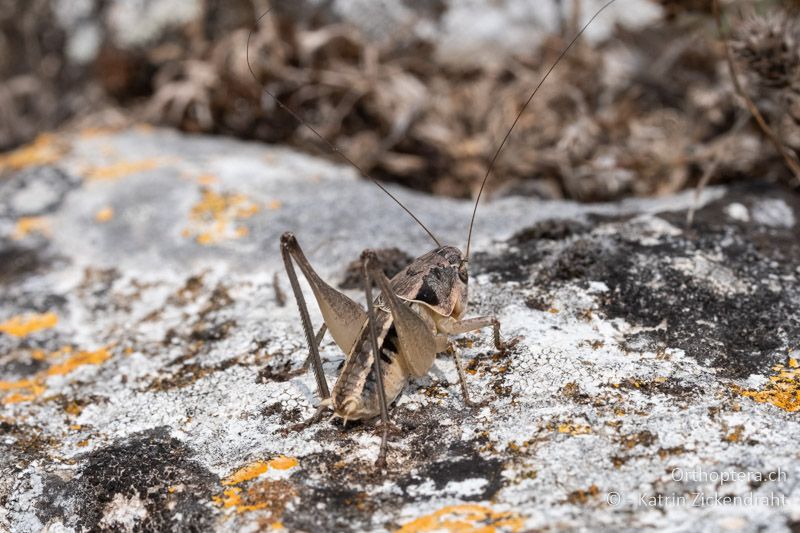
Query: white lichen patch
710	271
122	513
774	213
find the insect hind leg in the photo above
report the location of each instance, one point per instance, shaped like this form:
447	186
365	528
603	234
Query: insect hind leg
368	258
311	340
343	317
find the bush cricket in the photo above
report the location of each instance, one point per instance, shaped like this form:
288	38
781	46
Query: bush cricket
399	334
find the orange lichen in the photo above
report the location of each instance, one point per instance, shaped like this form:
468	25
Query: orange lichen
104	215
271	496
274	205
29	389
73	408
472	518
283	463
246	473
44	150
574	429
735	435
267	494
783	389
79	359
22	326
207	180
230	498
582	496
29	225
213	218
120	169
253	470
247	211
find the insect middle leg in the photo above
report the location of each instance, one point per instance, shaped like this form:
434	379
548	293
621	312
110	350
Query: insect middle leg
416	340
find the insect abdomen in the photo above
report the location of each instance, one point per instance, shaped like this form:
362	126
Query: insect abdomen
355	395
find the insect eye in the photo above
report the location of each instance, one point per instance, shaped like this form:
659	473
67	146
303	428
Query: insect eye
463	274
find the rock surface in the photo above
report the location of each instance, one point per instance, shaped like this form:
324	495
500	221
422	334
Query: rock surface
148	369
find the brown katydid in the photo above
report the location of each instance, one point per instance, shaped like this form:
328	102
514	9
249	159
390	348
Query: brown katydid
399	334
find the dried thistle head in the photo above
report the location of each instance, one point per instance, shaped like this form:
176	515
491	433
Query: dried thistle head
768	46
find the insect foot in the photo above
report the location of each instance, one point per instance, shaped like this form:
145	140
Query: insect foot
313	419
369	258
507	346
288	239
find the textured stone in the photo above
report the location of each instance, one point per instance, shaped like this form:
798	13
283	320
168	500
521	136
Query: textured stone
651	359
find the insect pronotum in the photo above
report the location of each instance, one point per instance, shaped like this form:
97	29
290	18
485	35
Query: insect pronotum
409	322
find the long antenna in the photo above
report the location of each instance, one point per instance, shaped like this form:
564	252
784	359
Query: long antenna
331	147
521	111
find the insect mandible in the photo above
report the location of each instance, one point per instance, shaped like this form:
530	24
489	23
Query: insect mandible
410	321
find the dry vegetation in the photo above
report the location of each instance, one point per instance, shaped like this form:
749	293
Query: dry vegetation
649	112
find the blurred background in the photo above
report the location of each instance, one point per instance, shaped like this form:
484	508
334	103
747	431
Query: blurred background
420	92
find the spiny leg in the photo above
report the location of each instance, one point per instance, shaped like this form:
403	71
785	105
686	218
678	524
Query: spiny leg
343	317
318	341
367	257
305	319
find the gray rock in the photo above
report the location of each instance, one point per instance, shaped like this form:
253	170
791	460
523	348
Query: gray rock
150	373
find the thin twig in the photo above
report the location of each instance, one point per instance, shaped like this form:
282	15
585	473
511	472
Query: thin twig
790	162
701	185
712	169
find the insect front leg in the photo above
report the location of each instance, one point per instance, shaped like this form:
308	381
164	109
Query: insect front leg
444	344
451	326
462	378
